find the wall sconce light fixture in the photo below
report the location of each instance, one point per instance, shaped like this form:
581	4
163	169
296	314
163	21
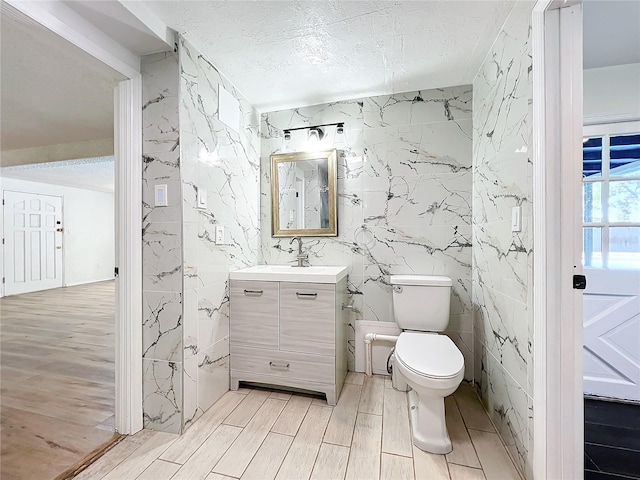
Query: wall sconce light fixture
316	132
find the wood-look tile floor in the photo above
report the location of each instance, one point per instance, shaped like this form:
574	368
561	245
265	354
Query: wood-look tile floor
264	435
57	378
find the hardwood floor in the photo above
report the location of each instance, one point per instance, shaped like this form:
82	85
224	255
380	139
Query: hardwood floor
57	378
258	434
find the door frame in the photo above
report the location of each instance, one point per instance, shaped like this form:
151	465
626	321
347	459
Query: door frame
558	414
66	23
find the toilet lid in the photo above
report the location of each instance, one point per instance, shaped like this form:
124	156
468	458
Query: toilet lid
429	355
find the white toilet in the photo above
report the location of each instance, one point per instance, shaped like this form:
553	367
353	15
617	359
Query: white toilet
430	363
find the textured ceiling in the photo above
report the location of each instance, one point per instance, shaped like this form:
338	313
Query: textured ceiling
281	54
51	91
611	33
89	173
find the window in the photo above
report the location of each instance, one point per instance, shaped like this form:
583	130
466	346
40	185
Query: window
611	196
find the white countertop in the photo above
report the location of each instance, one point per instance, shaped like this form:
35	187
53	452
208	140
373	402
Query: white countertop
288	273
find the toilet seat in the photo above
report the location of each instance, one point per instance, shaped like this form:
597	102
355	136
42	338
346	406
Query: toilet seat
429	355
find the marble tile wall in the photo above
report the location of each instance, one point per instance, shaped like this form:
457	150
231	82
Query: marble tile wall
162	246
502	259
404	186
226	164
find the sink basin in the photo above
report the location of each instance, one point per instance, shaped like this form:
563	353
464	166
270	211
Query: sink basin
288	273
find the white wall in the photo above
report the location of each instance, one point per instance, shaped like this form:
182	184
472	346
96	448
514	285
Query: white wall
612	92
89	229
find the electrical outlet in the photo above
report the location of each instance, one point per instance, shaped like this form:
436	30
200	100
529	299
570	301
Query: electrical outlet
219	235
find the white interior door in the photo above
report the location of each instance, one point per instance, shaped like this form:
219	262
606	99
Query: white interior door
33	242
611	240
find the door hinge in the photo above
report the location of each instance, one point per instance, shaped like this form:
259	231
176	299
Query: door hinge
116	271
579	282
2	279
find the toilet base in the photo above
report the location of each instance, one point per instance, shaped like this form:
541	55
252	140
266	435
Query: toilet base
428	426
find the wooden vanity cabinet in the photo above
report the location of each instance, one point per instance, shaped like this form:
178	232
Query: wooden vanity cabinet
289	334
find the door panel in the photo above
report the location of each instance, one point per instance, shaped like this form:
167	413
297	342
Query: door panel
33	246
612	334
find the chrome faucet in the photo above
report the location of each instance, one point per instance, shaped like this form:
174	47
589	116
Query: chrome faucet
302	257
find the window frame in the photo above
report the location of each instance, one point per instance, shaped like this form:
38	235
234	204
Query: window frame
606	131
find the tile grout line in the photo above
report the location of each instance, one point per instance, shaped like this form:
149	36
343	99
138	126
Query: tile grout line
286	402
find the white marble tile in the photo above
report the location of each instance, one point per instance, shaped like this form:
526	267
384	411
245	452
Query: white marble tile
190	323
425	106
437	250
159	76
507	404
502	183
421	149
464	342
190	392
162	326
461	300
502	259
160	127
162	395
348	111
213	373
191	265
188	58
213	314
424	200
462	323
503	325
502	88
162	257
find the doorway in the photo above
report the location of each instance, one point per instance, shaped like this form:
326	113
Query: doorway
611	239
611	245
60	20
58	309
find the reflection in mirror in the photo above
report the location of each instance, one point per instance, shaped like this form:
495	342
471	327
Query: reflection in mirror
303	194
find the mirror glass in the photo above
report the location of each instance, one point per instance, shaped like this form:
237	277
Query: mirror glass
303	194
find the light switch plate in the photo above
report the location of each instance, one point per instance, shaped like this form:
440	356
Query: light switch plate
161	196
219	235
516	219
202	198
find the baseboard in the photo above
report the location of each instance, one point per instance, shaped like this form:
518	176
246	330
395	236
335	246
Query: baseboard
86	282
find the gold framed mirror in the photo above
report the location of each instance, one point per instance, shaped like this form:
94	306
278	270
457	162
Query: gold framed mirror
303	194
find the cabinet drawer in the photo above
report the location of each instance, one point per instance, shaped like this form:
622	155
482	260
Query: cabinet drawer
307	318
253	308
314	368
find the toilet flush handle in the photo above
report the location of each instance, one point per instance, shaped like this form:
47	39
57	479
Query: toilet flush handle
397	288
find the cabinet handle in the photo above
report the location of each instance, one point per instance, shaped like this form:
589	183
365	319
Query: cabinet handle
281	366
253	292
306	295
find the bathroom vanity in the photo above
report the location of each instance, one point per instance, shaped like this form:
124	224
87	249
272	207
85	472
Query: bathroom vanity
288	327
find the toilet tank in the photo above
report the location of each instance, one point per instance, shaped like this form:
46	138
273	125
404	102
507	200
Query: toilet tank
421	302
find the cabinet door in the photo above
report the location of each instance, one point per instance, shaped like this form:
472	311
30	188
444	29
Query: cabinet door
253	313
307	318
